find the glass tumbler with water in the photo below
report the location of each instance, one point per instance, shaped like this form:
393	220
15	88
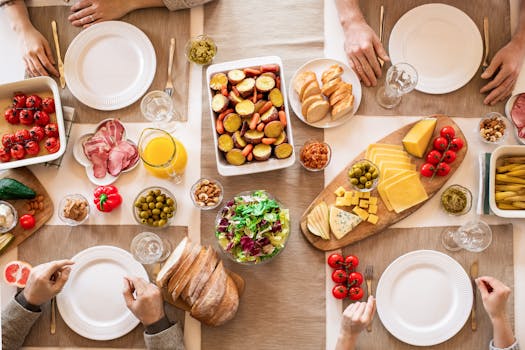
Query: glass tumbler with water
157	107
474	236
400	79
149	248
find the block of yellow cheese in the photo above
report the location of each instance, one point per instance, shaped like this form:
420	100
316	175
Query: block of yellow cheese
406	192
339	191
417	139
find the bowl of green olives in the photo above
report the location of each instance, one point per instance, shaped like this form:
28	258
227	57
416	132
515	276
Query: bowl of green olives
363	175
154	207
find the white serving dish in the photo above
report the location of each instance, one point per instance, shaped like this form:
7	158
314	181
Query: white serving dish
30	86
502	151
223	167
508	109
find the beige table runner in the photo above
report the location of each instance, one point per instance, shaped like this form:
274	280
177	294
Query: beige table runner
158	24
464	102
380	250
62	242
283	306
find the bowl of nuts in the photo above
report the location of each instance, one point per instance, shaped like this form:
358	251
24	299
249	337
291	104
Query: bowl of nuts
206	194
73	209
363	175
315	155
493	128
154	207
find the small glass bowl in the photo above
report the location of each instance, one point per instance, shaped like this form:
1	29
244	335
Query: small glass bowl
309	154
200	49
15	217
144	193
496	117
66	205
374	182
204	188
450	190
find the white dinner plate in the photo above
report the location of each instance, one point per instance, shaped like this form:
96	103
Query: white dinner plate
91	302
109	65
441	42
318	66
424	297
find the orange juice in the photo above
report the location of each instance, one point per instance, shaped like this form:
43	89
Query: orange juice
164	156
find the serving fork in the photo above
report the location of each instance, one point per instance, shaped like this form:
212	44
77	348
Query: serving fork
169	83
369	275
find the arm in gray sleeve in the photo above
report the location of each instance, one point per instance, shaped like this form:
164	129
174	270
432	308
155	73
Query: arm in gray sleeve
182	4
16	324
169	339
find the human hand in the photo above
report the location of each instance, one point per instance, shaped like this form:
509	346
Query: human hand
46	281
494	295
504	69
37	54
148	305
357	316
363	48
88	12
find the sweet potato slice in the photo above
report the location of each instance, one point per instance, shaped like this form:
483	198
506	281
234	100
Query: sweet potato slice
232	122
264	83
238	140
234	98
302	79
253	136
270	115
245	108
276	97
218	80
284	150
270	74
262	151
280	139
273	129
235	157
246	86
258	105
225	142
308	102
236	76
219	103
317	111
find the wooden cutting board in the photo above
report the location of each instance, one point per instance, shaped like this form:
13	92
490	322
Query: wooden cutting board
386	217
26	177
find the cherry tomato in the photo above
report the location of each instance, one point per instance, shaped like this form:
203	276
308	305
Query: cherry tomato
27	221
456	144
32	147
355	279
18	151
351	261
19	101
448	132
427	170
443	169
48	105
339	291
51	130
5	155
339	276
52	145
450	156
22	136
33	101
26	116
41	118
37	133
355	293
440	143
8	140
11	116
335	260
434	156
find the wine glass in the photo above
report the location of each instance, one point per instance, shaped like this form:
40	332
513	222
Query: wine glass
400	79
149	248
157	107
474	236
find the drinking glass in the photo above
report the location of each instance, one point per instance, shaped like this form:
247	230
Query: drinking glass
157	107
162	155
474	236
149	248
400	79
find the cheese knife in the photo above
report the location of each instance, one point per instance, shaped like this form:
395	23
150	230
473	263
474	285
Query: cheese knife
473	276
59	57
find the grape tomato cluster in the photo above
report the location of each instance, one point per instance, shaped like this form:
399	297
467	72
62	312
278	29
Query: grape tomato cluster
348	280
443	153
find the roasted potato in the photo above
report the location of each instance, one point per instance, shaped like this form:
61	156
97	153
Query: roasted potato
219	103
262	151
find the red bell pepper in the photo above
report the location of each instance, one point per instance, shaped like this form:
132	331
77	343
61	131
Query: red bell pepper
107	198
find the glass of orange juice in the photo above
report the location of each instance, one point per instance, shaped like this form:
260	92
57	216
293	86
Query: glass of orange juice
162	155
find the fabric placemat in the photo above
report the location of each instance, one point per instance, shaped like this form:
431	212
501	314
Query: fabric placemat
283	306
464	102
63	242
158	24
380	250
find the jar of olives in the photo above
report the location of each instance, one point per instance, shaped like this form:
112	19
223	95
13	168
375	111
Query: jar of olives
154	207
363	175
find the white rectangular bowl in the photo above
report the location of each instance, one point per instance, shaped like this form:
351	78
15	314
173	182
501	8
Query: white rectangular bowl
223	167
500	152
30	86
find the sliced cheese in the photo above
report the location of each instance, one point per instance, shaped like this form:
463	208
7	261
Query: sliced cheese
393	164
389	172
377	153
381	145
406	192
382	184
379	157
342	222
317	221
417	139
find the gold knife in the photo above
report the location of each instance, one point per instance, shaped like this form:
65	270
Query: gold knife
473	276
59	57
485	63
53	315
381	24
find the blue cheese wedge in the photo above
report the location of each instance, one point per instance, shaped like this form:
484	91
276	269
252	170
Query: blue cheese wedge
342	222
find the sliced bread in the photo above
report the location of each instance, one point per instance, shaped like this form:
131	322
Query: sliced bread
210	298
317	111
173	262
302	79
228	305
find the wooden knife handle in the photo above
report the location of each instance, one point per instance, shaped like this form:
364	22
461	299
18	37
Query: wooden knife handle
369	290
473	321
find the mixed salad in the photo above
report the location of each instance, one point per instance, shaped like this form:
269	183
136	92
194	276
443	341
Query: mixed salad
252	227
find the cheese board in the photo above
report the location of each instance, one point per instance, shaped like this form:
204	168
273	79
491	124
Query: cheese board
384	216
26	177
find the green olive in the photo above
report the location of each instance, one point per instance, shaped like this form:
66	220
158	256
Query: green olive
144	206
163	215
368	176
166	210
368	184
375	174
360	186
150	221
162	222
170	202
156	223
149	199
151	205
159	205
144	221
161	198
358	172
363	179
155	211
144	214
170	215
138	204
157	192
354	181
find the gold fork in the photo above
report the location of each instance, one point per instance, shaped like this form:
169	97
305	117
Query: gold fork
369	275
485	63
169	83
53	316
